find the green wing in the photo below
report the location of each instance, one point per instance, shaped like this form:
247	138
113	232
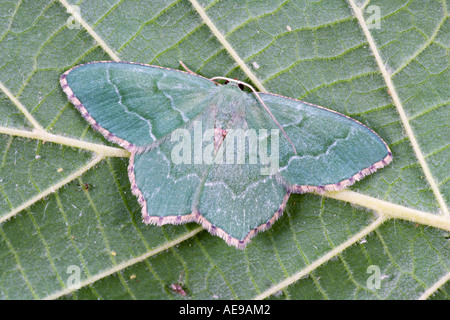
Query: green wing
333	150
134	104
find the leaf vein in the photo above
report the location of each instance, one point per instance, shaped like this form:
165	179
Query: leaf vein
396	99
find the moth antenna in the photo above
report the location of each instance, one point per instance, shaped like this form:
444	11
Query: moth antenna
186	68
262	103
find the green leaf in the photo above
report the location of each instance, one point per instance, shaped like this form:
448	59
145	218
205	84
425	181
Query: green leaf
392	226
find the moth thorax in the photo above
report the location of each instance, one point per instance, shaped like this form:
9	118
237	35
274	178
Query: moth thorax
219	136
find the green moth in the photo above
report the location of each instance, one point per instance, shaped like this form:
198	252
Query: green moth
215	154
